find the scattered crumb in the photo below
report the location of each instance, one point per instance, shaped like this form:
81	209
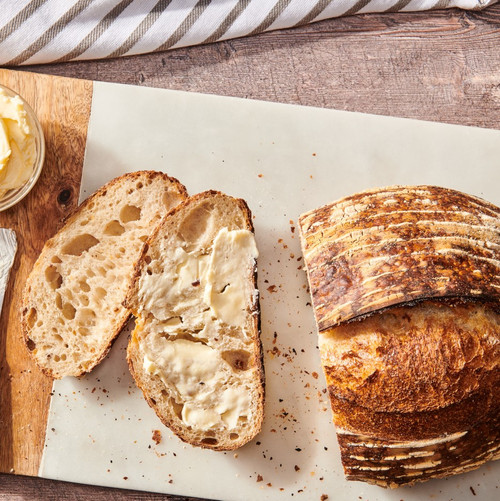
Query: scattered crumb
125	478
156	436
297	468
323	497
472	490
259	478
314	375
272	288
260	175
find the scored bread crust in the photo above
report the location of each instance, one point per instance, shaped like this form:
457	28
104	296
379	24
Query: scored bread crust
406	295
399	244
158	395
68	320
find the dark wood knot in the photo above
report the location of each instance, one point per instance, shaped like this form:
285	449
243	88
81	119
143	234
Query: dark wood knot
63	197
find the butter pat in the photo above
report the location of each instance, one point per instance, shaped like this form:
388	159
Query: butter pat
233	256
198	282
199	377
17	143
196	298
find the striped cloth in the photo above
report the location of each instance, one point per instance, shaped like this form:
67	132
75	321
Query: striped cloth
43	31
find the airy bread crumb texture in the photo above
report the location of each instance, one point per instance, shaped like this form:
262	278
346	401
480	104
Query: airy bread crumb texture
172	315
72	305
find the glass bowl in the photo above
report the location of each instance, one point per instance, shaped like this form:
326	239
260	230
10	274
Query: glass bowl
13	196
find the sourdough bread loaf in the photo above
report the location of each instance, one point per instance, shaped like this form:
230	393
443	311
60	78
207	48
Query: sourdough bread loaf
405	283
72	304
195	351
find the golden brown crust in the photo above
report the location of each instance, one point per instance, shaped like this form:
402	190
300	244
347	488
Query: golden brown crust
393	245
405	284
413	359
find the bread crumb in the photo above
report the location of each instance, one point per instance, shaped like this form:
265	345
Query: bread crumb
297	468
259	478
156	436
324	497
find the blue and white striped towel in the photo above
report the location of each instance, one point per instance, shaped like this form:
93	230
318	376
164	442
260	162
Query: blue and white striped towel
43	31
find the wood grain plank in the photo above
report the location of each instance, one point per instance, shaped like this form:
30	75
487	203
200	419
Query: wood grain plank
63	108
440	66
38	489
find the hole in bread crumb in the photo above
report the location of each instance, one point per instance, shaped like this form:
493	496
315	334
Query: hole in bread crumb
170	199
53	277
87	317
84	286
79	244
152	400
234	436
56	358
149	271
196	224
39	323
63	357
56	260
177	408
83	331
100	293
139	185
239	360
147	259
59	301
68	311
57	337
84	300
130	213
209	441
31	317
31	344
114	229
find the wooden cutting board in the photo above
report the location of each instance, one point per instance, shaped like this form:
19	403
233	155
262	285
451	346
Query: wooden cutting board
63	108
283	160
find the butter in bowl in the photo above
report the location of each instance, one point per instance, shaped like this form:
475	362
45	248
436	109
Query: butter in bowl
22	148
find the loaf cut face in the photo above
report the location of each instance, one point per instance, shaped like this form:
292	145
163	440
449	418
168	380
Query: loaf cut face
72	304
405	283
195	351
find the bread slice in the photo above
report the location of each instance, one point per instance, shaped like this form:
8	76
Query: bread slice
405	283
196	351
72	304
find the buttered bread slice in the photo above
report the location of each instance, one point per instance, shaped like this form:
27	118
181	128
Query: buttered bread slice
195	351
72	305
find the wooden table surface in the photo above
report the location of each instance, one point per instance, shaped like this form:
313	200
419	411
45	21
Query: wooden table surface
440	66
